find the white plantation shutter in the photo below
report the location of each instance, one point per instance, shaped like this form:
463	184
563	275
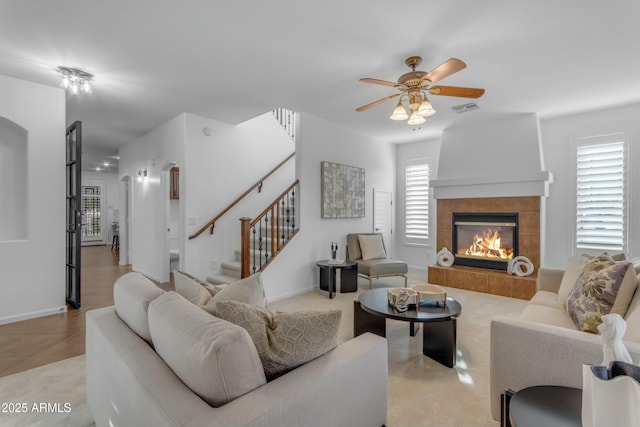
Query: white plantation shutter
417	201
601	189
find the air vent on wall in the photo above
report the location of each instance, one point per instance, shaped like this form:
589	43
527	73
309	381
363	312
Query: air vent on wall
465	107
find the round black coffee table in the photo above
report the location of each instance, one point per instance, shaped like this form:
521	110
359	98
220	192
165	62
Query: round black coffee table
372	309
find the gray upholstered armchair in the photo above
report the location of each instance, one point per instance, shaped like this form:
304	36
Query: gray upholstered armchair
369	252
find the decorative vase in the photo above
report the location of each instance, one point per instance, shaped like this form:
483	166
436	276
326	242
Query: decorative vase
520	266
445	258
611	397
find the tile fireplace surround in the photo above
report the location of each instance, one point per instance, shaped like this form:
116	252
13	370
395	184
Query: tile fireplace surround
486	280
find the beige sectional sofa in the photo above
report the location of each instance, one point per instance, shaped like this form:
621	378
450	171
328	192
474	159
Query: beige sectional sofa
150	362
543	345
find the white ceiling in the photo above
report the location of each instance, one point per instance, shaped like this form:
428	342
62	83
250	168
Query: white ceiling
154	59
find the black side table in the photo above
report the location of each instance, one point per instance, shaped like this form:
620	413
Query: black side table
546	405
348	276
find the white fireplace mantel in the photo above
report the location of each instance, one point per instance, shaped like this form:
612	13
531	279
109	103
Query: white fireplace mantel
498	158
532	184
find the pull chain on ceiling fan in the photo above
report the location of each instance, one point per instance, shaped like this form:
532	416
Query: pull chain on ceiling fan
414	85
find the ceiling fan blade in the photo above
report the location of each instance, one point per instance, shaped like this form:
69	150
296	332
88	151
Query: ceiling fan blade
380	82
378	102
462	92
445	69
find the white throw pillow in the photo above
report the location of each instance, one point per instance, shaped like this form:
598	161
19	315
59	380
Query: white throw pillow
372	246
216	359
248	290
132	293
191	288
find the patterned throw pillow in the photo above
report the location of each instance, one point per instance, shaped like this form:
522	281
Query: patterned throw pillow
284	340
595	292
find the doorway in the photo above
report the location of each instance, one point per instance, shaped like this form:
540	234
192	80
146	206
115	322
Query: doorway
172	258
383	217
125	223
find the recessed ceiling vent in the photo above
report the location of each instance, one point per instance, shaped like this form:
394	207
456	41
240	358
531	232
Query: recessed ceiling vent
465	107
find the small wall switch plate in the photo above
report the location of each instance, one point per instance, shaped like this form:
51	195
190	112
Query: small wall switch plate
191	220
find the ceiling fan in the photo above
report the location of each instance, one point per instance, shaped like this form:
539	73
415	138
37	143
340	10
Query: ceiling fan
414	85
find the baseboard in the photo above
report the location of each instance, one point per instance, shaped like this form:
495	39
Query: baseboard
292	294
32	315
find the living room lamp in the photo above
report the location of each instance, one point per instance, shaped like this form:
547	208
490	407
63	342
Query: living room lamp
75	80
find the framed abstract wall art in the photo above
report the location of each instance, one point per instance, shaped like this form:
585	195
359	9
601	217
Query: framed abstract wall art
342	191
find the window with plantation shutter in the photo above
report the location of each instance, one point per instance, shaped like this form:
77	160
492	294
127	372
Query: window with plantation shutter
601	193
417	201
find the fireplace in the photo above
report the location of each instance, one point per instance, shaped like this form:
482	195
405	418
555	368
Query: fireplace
485	240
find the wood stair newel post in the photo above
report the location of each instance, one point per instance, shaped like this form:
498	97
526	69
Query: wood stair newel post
245	233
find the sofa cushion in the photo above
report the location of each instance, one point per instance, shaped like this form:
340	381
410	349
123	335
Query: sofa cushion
284	340
191	288
549	299
375	267
372	246
132	293
214	358
547	315
597	289
248	290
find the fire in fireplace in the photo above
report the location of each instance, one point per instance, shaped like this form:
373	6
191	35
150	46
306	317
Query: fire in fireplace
487	240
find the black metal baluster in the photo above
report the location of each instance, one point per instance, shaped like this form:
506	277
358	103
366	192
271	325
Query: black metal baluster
253	257
282	227
293	215
266	239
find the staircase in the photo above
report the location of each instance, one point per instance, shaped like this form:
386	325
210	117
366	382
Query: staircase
278	221
264	237
230	271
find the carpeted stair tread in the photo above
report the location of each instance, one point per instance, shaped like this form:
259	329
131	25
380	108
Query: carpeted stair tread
221	279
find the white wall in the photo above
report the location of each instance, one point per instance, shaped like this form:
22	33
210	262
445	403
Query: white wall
33	272
111	198
219	168
415	255
558	136
153	151
318	140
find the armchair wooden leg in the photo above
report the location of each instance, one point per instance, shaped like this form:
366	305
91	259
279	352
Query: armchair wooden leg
405	280
370	283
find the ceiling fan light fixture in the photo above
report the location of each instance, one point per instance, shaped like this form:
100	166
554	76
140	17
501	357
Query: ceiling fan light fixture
426	109
399	113
416	119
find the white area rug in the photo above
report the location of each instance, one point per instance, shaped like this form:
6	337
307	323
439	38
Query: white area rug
421	391
49	396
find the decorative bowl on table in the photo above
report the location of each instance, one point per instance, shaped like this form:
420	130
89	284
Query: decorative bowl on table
430	293
402	295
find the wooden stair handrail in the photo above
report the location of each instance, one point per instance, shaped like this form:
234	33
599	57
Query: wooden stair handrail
275	202
247	223
211	224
